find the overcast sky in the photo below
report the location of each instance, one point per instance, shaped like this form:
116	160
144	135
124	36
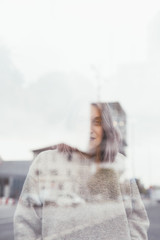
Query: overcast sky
53	53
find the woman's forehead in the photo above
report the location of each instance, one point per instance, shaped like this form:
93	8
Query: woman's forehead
95	112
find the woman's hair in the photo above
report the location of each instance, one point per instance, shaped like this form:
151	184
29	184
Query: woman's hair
109	146
111	138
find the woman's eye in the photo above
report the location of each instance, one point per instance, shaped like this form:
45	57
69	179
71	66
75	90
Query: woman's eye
97	123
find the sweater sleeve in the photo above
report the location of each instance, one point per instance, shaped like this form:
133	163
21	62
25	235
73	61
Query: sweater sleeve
27	217
137	219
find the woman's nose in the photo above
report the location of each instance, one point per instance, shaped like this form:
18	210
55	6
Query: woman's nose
91	128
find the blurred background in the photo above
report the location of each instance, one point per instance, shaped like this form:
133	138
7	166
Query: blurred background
59	55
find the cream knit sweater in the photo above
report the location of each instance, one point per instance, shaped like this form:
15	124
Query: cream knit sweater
72	199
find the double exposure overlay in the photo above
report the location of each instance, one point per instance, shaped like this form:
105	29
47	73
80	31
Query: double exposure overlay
75	194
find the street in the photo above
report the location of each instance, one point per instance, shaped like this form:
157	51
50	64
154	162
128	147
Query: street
6	231
6	222
154	217
94	232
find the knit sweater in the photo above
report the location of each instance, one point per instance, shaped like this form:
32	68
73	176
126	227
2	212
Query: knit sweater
65	198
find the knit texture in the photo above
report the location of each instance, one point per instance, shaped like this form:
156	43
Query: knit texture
76	199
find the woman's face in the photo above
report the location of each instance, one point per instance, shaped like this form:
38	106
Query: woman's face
96	130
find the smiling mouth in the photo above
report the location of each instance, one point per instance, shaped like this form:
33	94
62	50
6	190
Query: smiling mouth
92	138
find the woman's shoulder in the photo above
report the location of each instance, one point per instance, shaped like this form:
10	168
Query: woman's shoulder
120	158
118	165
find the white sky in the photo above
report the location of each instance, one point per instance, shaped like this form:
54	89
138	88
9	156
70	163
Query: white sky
50	55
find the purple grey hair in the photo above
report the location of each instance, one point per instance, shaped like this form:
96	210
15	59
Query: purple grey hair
111	138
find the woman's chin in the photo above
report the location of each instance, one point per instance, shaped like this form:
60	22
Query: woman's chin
92	148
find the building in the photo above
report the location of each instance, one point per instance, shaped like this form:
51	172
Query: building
39	150
12	177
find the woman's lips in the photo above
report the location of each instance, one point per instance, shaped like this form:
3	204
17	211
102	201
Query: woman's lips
92	138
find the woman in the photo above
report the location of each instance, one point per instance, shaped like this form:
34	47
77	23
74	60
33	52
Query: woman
107	205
